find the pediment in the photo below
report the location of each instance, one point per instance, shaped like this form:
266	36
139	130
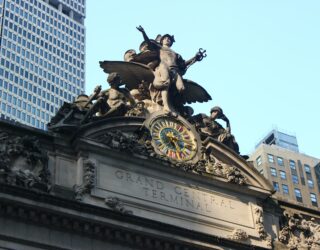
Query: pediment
213	160
227	156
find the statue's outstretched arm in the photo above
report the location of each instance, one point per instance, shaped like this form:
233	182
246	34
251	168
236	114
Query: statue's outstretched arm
197	58
145	37
228	126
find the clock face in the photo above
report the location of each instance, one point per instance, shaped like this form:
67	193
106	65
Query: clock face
173	139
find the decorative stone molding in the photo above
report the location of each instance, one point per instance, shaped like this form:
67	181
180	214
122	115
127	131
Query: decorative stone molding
116	205
238	235
95	229
89	171
298	232
230	173
23	162
126	142
132	143
259	226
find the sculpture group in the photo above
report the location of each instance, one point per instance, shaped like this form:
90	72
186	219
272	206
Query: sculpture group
146	82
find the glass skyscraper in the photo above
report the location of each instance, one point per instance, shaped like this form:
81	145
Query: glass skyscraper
42	58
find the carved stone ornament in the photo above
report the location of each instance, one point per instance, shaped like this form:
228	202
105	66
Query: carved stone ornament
258	220
239	235
210	165
298	232
116	205
23	162
141	145
89	170
131	143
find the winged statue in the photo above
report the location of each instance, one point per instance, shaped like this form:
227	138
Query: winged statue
148	84
162	69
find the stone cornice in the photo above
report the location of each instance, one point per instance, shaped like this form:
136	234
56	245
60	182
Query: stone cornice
69	215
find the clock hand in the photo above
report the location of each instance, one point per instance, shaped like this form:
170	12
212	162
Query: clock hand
176	146
174	141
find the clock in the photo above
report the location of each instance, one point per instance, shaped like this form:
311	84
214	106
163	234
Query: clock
172	138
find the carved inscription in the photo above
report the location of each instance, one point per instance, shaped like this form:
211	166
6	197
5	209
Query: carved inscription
174	195
181	196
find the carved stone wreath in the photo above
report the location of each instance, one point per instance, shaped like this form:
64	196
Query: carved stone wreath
23	162
239	235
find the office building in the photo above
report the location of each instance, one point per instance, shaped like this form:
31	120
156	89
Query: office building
317	173
280	139
291	173
42	46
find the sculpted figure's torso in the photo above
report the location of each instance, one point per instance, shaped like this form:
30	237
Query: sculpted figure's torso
116	98
168	57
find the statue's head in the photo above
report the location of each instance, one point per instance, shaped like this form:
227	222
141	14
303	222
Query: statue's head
216	112
114	79
129	55
143	46
82	98
135	93
167	40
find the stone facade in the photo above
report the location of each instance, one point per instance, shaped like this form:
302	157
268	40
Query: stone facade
76	191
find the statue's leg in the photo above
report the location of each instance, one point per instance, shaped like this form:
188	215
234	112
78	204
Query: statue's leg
165	101
161	85
179	83
161	77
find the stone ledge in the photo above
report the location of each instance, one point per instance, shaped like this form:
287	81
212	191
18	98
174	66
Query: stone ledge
67	215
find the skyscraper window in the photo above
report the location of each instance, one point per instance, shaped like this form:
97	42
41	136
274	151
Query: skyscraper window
283	175
270	158
298	194
295	179
273	171
259	161
307	168
280	161
285	189
313	199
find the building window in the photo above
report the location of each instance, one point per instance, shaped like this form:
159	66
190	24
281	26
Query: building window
313	199
259	161
292	164
307	168
283	175
270	158
295	179
273	171
276	186
297	192
285	189
280	161
310	184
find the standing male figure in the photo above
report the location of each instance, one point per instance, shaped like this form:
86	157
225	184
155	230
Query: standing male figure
170	70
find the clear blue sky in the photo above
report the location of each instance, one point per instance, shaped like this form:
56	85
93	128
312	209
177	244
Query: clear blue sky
263	63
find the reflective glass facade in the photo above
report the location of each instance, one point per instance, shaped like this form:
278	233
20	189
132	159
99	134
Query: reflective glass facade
42	58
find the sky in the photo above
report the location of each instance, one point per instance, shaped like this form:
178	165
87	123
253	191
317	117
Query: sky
263	58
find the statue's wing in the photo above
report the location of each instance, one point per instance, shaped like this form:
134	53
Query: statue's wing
193	93
131	73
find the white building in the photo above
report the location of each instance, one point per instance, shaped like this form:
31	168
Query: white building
42	57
